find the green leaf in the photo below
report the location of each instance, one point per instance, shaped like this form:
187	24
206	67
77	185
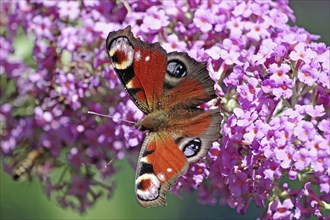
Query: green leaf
7	89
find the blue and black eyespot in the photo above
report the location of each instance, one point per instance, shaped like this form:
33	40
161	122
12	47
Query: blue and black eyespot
176	69
192	148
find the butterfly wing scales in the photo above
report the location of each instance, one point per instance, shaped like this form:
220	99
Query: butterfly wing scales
163	158
182	96
160	165
140	66
196	134
191	90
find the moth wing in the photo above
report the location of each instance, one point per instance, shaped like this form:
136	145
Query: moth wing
160	165
141	67
187	82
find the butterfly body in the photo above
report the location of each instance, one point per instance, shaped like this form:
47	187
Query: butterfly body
168	88
155	121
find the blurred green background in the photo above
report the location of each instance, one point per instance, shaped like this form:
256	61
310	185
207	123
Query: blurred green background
314	16
26	200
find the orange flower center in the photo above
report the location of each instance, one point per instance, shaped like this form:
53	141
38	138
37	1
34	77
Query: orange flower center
200	170
281	210
216	152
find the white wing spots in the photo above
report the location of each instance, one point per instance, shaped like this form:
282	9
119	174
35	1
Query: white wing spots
143	159
129	85
161	176
169	170
147	187
147	58
147	195
112	51
138	55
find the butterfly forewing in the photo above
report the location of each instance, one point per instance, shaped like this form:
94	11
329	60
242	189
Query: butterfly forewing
140	66
161	163
165	156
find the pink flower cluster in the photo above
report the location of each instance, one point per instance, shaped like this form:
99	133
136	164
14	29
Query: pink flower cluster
272	81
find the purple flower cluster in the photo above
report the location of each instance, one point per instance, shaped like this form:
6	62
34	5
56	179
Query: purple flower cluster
45	98
272	81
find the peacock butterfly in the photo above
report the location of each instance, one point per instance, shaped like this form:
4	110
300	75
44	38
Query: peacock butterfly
168	88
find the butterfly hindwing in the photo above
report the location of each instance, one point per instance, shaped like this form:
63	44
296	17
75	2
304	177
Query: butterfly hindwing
187	82
140	66
194	136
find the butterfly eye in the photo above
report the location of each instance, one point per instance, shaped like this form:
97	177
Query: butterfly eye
176	69
192	147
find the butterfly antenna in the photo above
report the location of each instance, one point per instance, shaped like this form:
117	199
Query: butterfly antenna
111	161
128	8
109	116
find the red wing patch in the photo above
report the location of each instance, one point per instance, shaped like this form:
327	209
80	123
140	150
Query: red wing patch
188	92
149	73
